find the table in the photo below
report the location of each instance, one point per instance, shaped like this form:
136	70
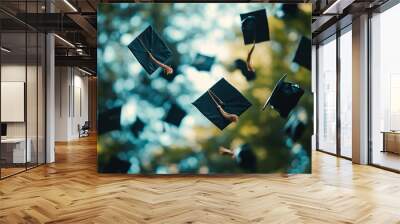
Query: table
15	148
391	141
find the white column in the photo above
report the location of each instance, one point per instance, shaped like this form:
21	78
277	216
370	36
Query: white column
50	92
50	100
360	90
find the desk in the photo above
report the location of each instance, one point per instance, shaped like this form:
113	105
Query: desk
391	141
15	148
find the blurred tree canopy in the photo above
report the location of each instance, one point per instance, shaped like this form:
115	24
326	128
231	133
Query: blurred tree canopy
211	29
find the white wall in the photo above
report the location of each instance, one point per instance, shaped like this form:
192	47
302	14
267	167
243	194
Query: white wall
62	81
10	73
33	127
16	73
71	94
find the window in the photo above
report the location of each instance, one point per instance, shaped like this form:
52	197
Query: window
385	89
346	93
327	96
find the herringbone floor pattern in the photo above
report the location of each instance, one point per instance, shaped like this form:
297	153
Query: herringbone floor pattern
70	191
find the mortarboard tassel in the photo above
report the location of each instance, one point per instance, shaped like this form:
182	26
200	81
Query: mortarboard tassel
248	60
225	151
219	103
168	70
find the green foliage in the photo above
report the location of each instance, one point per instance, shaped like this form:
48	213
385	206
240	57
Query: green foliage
262	129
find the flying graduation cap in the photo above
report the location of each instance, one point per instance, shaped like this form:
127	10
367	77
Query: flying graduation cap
137	127
109	120
242	66
244	157
203	62
222	104
290	11
296	125
114	165
175	115
284	97
255	30
303	53
151	51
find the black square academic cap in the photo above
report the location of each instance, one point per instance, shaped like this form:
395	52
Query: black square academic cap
203	62
294	127
151	51
242	66
109	120
222	104
290	10
137	127
175	115
284	97
303	53
246	158
114	165
243	155
255	26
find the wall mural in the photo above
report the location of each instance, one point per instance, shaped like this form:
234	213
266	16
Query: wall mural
204	88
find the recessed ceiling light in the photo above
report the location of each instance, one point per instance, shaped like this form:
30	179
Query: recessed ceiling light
5	50
84	71
70	5
337	7
65	41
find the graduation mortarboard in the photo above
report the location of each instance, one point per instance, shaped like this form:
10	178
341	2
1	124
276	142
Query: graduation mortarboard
114	165
303	53
241	65
255	30
243	155
109	120
295	126
245	158
255	26
203	62
284	97
151	51
137	127
289	10
175	115
222	104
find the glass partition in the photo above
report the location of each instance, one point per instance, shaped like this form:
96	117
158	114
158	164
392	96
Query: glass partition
22	101
13	105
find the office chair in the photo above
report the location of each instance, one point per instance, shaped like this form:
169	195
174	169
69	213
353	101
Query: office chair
84	130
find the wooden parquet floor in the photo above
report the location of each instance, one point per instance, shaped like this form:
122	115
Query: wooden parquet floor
71	191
